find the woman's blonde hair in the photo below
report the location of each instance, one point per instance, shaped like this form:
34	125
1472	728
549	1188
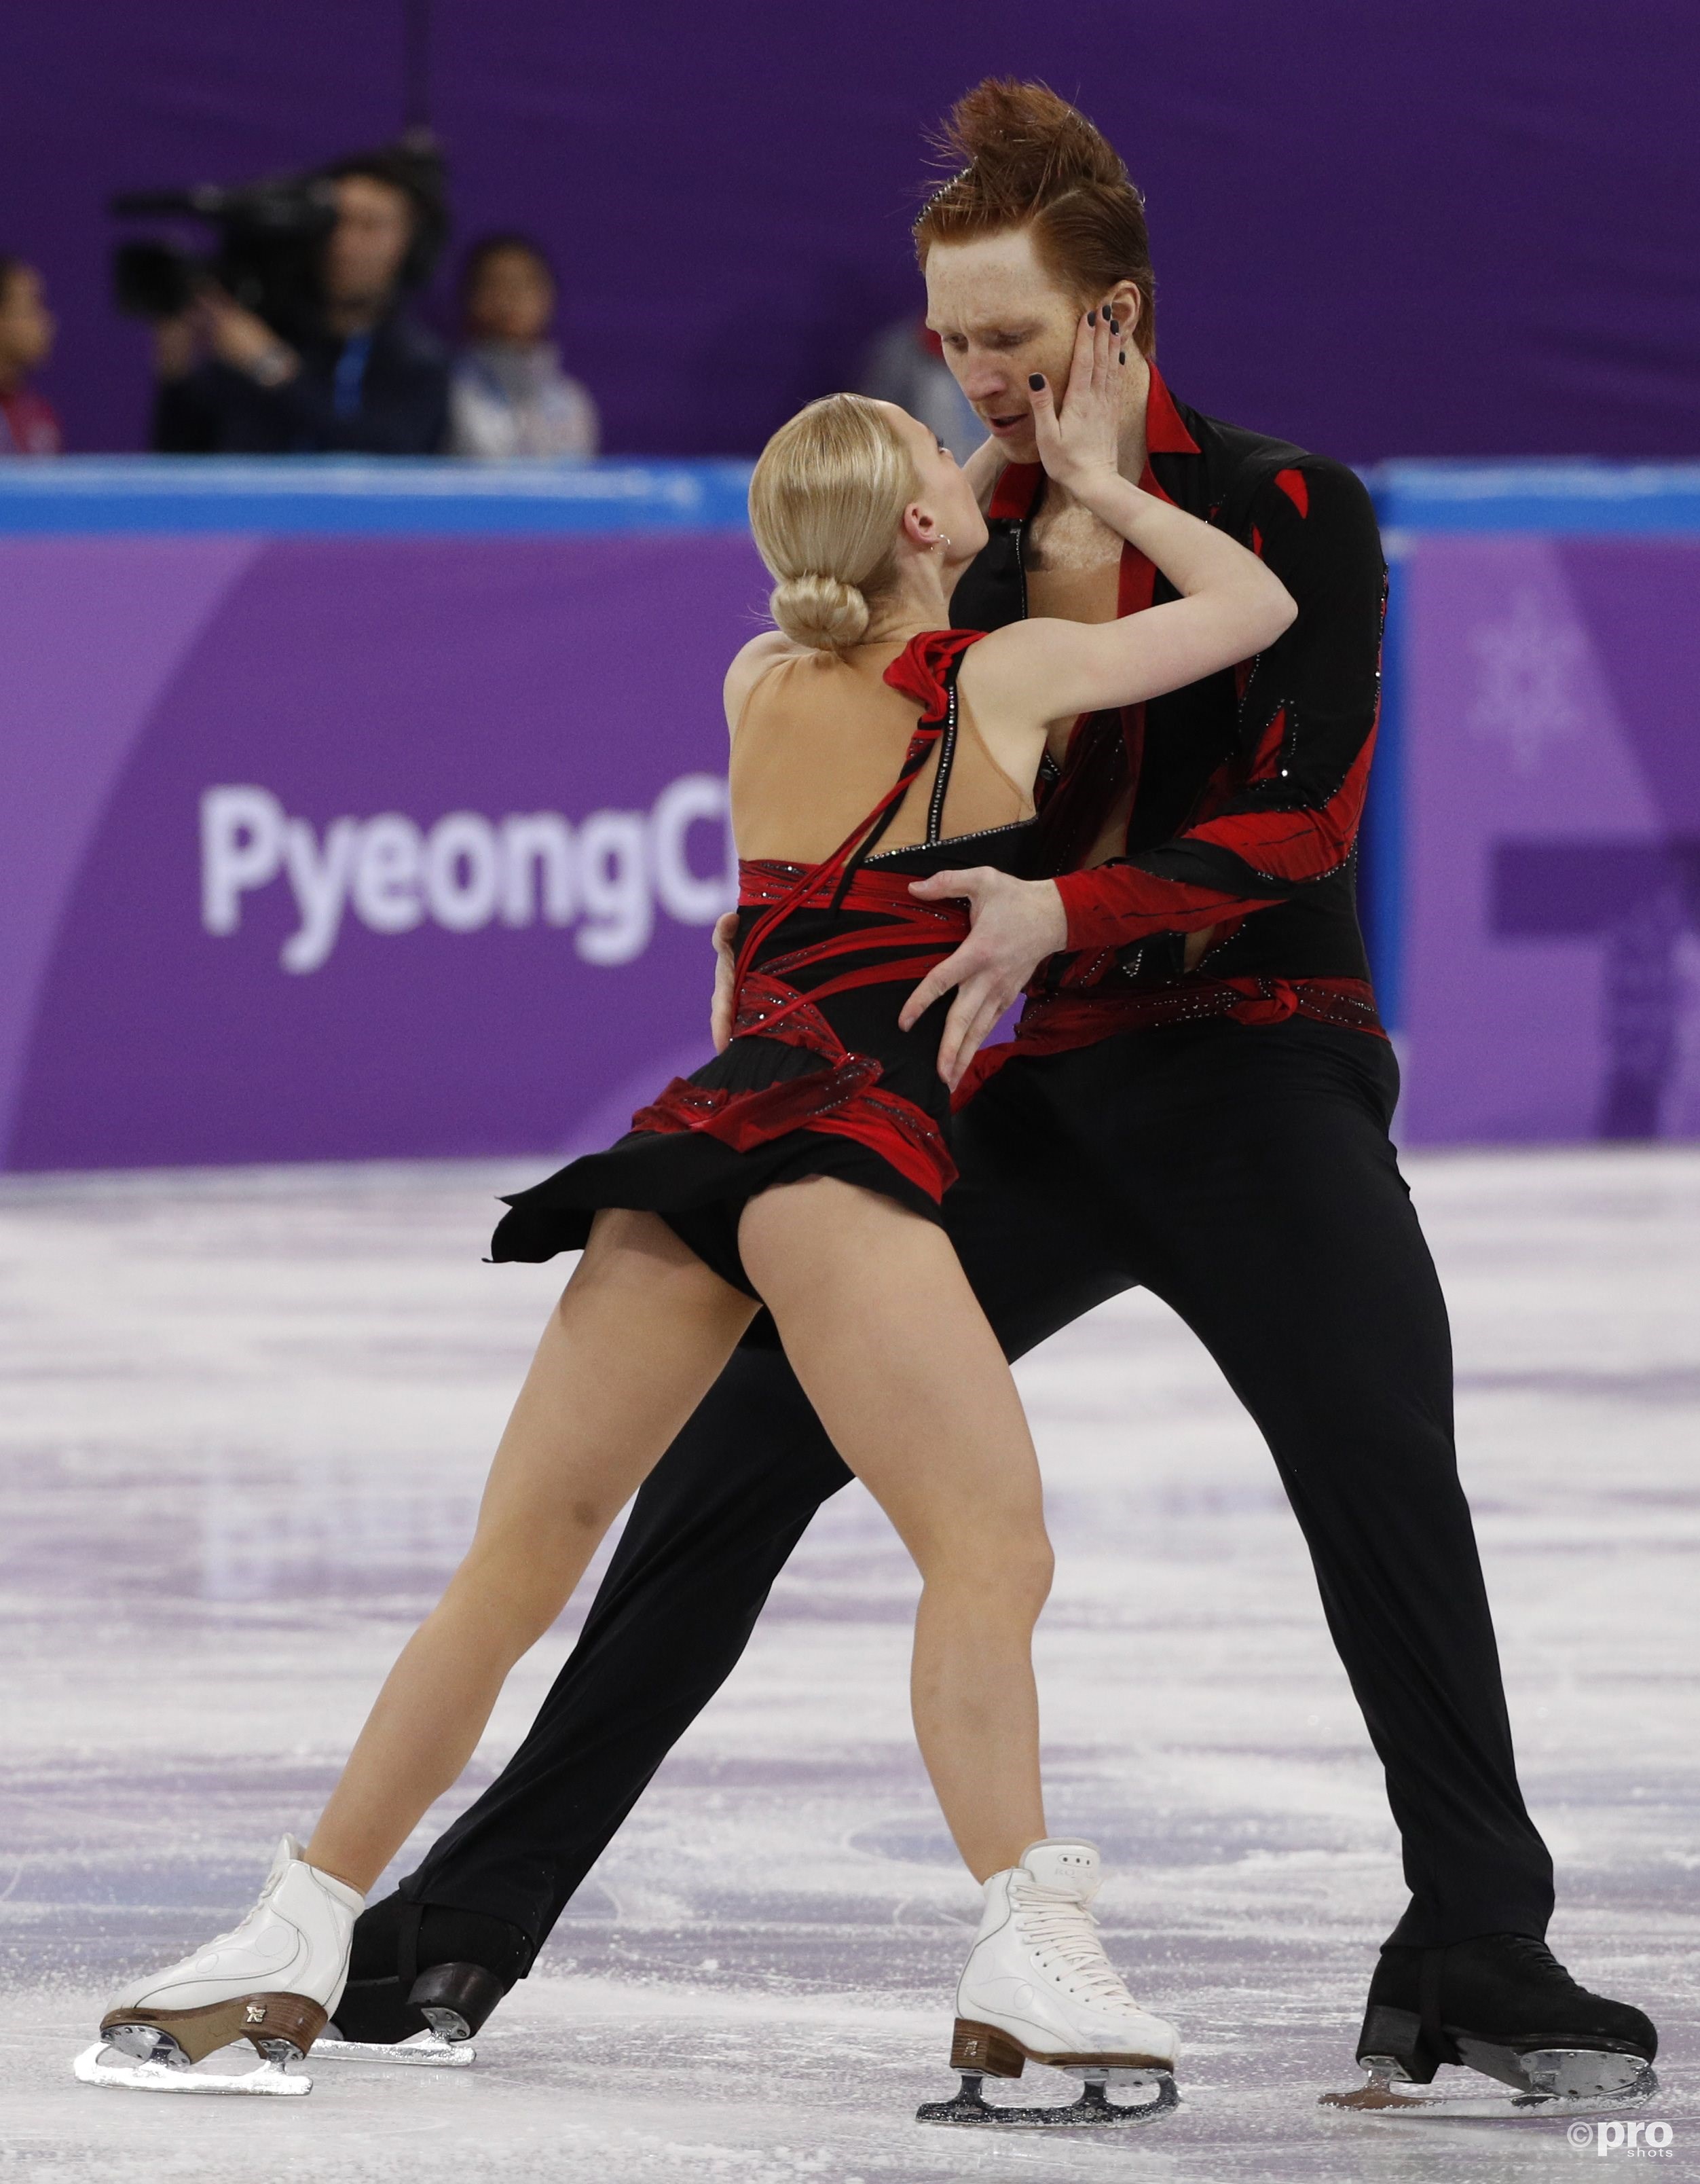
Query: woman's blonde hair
825	503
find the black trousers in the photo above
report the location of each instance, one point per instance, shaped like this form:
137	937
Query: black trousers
1244	1174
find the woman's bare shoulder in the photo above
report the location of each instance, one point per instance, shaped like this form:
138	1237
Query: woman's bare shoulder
750	664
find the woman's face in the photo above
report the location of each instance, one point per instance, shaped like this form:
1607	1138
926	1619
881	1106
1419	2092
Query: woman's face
945	507
1001	316
511	299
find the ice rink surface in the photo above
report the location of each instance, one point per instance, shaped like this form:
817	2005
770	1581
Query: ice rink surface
245	1422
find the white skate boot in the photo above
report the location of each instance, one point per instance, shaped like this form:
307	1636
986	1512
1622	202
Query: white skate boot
273	1981
1038	1987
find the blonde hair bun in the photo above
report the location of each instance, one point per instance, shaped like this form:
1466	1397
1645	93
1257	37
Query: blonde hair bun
820	610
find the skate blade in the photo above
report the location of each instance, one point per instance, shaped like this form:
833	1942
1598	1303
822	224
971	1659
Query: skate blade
1562	2081
1093	2110
153	2077
427	2051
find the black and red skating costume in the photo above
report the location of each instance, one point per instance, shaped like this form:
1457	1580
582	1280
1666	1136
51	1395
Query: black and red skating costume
817	1078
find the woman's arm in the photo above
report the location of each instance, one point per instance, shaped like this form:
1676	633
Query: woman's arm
1230	607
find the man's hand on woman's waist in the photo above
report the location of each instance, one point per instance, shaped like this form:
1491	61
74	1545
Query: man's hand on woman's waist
1016	925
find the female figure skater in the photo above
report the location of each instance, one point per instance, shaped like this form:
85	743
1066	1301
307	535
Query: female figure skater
804	1169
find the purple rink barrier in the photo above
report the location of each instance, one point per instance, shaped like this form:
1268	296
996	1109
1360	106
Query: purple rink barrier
346	847
1547	664
366	810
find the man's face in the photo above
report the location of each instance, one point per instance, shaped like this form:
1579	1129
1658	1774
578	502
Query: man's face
365	250
27	326
1001	316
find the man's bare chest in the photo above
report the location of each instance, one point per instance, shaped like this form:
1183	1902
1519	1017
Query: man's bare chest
1073	569
1070	538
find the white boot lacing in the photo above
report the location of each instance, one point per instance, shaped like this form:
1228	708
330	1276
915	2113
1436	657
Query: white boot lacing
1060	1928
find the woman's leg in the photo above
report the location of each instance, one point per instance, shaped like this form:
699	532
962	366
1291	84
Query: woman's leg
638	1337
897	1357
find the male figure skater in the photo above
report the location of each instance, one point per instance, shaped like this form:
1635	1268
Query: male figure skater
1198	1102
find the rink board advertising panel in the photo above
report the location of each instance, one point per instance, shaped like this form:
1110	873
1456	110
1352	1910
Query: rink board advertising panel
1550	748
363	811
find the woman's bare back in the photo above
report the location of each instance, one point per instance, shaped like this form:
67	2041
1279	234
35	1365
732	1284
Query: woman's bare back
819	738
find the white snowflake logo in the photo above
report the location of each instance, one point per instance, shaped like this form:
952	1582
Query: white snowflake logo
1526	680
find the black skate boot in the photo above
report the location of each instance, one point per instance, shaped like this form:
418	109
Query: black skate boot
1502	2004
422	1978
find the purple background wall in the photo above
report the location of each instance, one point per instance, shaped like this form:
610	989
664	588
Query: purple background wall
449	686
466	830
1552	800
1465	228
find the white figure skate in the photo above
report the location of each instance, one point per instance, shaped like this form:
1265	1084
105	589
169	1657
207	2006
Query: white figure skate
1038	1988
272	1981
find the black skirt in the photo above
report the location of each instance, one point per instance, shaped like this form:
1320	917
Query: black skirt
698	1185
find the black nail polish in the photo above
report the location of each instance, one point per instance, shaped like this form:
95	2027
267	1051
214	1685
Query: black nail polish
1036	380
1113	328
1122	359
1091	318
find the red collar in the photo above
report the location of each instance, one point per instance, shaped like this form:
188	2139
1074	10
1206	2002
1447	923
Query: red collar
1165	434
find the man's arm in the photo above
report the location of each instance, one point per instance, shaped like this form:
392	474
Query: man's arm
1284	813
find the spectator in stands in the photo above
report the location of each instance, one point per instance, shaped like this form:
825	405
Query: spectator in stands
358	375
28	424
509	395
906	365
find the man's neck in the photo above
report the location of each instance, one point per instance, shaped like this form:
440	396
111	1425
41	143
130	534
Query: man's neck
1132	446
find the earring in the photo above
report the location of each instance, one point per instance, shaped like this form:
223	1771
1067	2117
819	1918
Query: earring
937	544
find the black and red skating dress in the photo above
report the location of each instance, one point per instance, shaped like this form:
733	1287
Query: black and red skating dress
818	1079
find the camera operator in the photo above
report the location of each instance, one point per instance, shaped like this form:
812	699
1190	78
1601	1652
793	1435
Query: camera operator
356	374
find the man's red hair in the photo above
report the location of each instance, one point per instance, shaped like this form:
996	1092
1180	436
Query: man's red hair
1030	159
